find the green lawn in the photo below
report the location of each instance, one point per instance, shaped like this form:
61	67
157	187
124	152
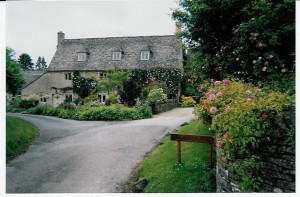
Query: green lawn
19	135
160	168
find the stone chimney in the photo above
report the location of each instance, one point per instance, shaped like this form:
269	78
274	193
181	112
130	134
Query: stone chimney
60	37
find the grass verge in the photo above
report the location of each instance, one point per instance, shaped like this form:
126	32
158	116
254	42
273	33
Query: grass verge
19	135
163	173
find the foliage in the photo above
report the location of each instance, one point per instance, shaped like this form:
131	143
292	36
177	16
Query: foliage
115	112
160	167
157	96
113	80
162	107
132	89
14	76
25	61
112	99
47	110
28	103
40	64
92	97
19	135
83	86
171	77
243	117
250	40
187	101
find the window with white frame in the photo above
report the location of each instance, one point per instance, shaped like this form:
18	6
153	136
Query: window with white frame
102	98
81	57
68	76
116	56
145	55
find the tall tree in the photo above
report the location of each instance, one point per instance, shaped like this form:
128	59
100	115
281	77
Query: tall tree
14	76
38	64
251	40
43	64
26	61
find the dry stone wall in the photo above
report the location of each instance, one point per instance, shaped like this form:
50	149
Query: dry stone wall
276	159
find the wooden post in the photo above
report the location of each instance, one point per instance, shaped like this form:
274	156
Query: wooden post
178	151
210	156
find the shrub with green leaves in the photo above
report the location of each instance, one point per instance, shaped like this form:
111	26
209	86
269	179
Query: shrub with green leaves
47	110
157	96
243	117
187	101
115	112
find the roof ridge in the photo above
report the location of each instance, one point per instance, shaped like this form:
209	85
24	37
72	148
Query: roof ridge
120	37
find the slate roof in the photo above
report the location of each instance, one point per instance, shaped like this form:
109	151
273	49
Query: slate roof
165	52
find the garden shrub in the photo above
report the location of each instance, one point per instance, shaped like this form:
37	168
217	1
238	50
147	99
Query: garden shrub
157	96
68	114
162	107
47	110
115	112
28	103
243	117
187	101
90	98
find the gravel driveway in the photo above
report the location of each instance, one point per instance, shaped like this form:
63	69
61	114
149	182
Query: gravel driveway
86	156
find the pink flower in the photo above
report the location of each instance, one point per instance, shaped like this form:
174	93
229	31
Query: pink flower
219	94
212	97
260	58
257	90
226	135
264	69
266	63
219	144
248	92
254	62
217	83
213	110
260	45
226	81
283	70
249	99
264	116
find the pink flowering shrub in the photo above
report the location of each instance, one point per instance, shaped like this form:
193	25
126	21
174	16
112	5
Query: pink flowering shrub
242	116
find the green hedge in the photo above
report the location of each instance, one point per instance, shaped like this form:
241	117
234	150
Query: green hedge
162	107
114	112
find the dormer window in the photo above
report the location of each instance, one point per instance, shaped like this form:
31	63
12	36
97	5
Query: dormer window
116	56
81	57
145	55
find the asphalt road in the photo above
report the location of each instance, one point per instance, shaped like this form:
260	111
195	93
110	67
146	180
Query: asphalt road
86	156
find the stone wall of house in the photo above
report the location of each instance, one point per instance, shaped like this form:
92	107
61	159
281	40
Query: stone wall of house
54	87
277	160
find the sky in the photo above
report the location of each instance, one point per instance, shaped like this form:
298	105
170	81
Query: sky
32	26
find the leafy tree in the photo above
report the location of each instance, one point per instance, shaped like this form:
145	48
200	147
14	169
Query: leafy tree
113	80
26	61
14	77
130	92
251	40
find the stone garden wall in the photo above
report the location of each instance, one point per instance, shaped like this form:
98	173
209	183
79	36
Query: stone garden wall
276	159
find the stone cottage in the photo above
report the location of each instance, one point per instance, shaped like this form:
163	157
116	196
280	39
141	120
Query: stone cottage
91	57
